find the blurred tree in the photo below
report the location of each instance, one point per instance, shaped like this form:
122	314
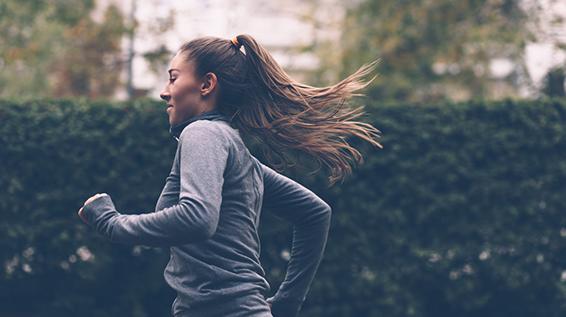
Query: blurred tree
31	37
436	50
56	49
554	80
159	55
91	63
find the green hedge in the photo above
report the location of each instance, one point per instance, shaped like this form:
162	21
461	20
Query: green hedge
460	214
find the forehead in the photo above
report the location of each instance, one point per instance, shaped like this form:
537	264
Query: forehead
178	62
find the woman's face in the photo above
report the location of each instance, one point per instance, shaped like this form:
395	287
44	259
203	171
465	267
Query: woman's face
183	92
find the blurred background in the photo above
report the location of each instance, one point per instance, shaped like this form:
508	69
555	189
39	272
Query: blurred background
460	214
431	50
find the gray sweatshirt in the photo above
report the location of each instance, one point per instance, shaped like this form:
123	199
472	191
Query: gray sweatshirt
208	215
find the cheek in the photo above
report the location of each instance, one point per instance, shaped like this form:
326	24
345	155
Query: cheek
183	92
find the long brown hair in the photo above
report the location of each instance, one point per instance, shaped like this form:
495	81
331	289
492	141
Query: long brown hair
281	113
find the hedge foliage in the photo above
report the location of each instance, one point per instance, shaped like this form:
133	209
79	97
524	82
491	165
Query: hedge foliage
460	214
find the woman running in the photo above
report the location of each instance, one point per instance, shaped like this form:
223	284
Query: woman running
209	209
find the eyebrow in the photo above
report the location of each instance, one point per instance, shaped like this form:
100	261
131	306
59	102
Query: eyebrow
172	69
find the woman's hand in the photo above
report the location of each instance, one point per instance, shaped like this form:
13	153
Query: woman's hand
81	212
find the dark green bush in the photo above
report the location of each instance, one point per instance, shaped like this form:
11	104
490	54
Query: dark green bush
460	214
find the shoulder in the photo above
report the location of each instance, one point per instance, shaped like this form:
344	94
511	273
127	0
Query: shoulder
206	136
204	130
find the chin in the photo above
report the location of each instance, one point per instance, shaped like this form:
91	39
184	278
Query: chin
172	119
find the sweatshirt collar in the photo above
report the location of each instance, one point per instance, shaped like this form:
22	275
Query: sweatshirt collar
176	129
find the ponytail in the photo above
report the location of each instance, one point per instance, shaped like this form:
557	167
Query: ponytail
283	114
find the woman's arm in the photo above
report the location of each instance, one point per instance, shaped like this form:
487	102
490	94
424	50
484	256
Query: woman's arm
310	216
203	157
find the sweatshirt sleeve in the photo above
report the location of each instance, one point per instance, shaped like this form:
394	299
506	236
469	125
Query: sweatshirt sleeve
203	157
310	217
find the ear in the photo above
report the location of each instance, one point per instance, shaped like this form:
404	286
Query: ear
209	82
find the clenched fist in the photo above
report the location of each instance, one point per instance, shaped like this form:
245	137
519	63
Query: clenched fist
81	214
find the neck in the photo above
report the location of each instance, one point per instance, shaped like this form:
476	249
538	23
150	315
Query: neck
176	129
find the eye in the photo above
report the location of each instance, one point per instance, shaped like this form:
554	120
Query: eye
172	79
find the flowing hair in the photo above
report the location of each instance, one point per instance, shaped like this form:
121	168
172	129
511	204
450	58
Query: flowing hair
281	113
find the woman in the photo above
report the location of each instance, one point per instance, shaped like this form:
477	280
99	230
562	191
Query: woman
209	209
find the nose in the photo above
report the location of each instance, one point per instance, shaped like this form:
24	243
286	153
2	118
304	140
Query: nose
165	96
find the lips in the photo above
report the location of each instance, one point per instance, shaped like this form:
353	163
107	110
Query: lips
169	107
